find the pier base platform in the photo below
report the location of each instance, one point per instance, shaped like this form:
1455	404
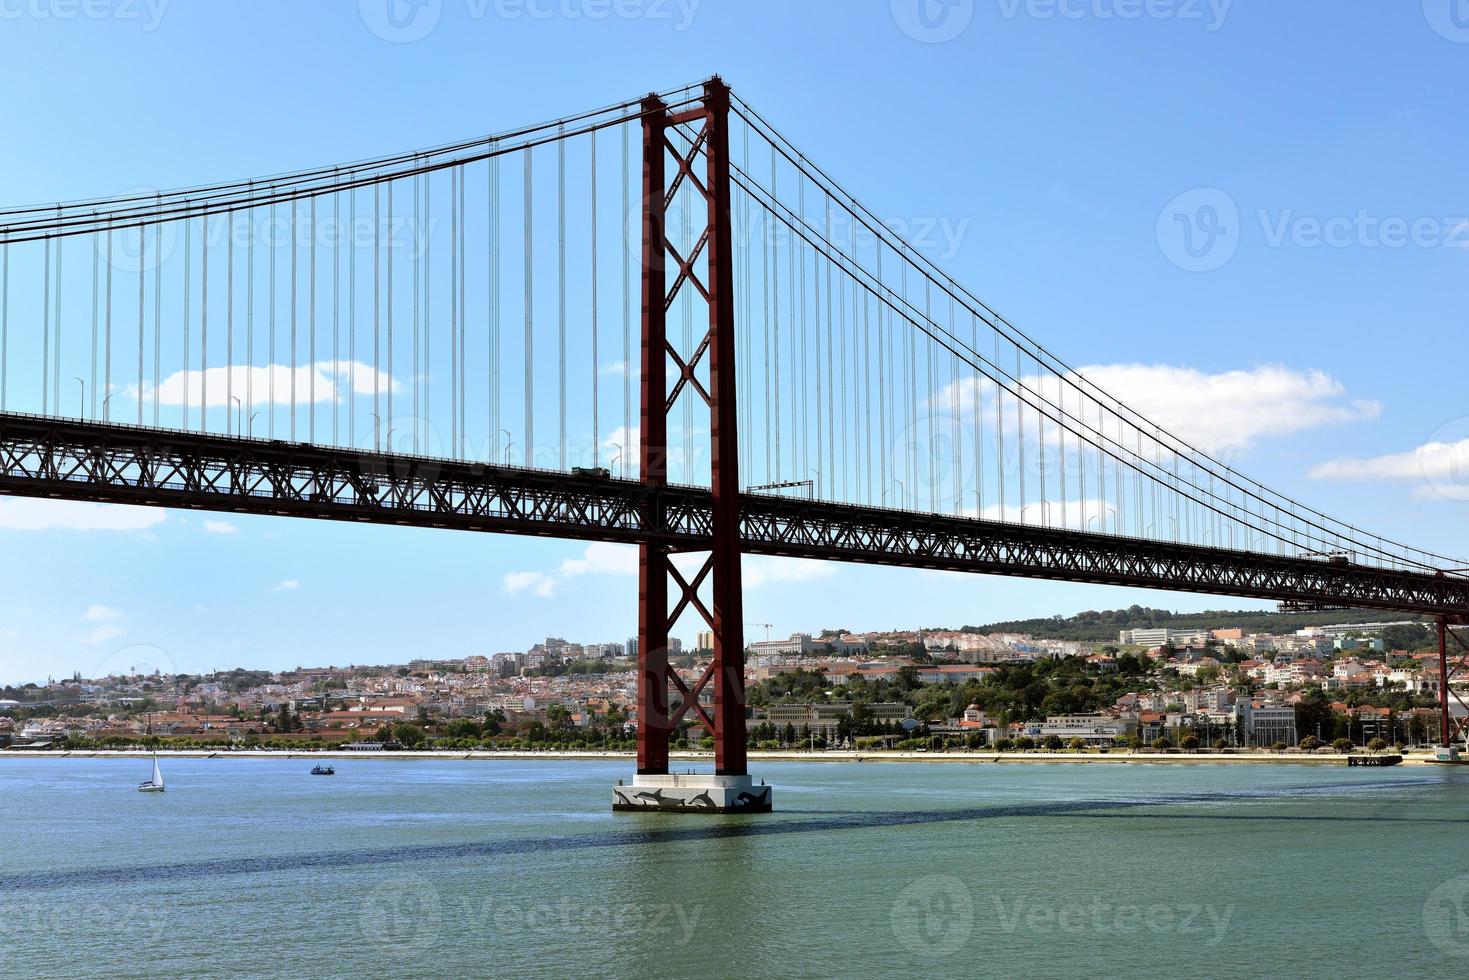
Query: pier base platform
690	793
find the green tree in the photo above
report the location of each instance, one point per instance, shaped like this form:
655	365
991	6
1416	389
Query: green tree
409	735
1377	745
1342	745
1161	743
558	718
1078	744
1189	743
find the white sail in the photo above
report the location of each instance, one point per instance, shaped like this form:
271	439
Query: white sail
157	773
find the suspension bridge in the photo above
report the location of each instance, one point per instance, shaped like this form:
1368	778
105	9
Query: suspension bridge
727	354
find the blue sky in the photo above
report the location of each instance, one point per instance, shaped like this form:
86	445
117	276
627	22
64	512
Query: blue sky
1259	202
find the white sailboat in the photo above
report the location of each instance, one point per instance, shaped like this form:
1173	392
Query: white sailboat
154	785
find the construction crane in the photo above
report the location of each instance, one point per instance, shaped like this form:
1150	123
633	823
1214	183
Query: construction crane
767	629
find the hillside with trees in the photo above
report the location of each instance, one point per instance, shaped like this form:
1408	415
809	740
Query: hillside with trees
1103	626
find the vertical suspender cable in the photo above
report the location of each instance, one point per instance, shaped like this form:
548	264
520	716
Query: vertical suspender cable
311	325
203	320
627	366
1020	404
596	366
1001	477
882	401
561	296
93	376
107	333
229	330
775	326
270	360
463	326
453	312
142	329
352	318
428	292
249	321
5	327
46	327
377	335
493	278
56	360
528	452
976	394
157	321
418	247
336	385
294	210
392	382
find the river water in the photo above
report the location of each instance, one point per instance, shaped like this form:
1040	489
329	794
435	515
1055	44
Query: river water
251	867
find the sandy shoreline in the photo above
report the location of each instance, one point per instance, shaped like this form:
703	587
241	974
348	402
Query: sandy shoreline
971	758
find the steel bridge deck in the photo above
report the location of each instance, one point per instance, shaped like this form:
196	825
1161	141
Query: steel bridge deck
90	461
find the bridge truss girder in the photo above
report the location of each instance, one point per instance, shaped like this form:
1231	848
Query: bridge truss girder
61	459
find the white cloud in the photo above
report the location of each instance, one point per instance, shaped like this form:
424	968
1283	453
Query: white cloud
109	624
622	560
599	558
327	380
220	527
536	583
1440	461
604	559
759	570
26	514
289	585
103	633
1231	410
